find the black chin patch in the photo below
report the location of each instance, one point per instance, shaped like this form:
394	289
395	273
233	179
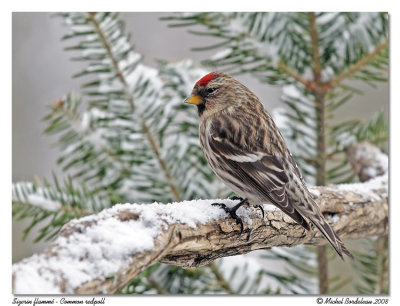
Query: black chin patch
201	108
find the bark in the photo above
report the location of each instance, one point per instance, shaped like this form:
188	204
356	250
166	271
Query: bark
354	210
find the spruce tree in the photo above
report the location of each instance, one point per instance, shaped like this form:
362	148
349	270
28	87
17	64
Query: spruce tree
311	55
127	137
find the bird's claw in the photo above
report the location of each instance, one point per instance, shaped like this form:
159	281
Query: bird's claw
262	210
232	212
222	205
235	198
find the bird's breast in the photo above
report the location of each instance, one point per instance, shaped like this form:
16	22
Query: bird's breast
204	134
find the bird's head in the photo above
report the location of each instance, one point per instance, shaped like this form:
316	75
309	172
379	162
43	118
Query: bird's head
214	92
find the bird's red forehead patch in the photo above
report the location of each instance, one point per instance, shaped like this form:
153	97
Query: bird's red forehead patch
206	79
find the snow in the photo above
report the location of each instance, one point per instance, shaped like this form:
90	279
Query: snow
109	85
358	33
247	266
379	161
96	138
41	202
184	74
92	51
236	26
266	50
36	196
251	33
107	243
315	192
298	132
367	189
326	17
345	139
335	218
222	54
91	115
382	161
281	119
327	74
308	74
35	278
143	73
371	172
379	164
292	91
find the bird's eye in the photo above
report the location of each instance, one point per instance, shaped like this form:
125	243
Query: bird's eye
210	90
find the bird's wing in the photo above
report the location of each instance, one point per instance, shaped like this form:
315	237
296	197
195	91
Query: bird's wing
262	172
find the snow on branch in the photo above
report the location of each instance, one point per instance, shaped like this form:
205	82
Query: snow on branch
100	253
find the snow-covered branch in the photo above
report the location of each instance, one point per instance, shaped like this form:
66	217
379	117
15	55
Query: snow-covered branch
102	252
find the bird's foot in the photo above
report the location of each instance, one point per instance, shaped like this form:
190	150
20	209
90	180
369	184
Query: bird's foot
257	206
262	210
234	198
232	211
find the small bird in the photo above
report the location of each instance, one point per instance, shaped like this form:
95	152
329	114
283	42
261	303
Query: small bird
246	150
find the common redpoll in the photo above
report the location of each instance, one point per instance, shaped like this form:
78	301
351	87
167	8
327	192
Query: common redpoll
247	152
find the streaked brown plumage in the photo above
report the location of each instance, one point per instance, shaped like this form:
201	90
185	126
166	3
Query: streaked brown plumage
247	152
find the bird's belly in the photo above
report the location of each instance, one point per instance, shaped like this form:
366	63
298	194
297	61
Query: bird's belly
233	182
224	173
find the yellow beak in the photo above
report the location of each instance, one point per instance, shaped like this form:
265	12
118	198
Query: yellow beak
196	100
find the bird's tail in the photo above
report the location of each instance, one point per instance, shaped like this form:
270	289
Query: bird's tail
319	221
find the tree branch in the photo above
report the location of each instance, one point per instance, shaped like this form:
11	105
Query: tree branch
367	162
314	47
319	102
289	71
153	144
101	253
316	86
358	65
